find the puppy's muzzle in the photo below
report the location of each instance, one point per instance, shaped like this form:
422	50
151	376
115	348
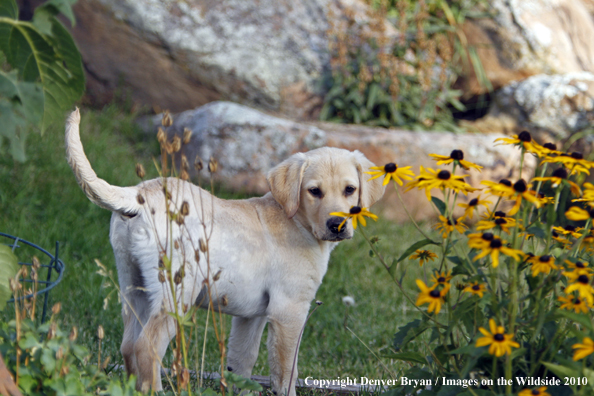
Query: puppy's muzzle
333	223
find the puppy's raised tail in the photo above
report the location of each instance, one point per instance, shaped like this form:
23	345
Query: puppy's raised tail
117	199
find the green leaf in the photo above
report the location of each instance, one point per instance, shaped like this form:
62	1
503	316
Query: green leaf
9	9
589	374
413	357
241	382
575	317
562	371
59	6
537	232
439	204
414	247
9	265
408	333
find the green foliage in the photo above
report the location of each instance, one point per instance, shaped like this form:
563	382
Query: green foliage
404	80
8	269
41	73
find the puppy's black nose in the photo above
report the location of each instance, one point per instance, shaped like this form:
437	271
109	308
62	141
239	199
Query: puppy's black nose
333	223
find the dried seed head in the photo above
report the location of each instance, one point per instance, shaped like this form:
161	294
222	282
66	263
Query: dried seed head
166	121
197	256
60	354
24	272
105	362
184	175
73	334
140	199
64	370
177	278
187	135
166	193
224	301
33	274
140	171
14	285
161	277
36	263
100	332
202	245
176	245
176	144
161	137
212	165
56	308
184	379
217	276
198	164
185	165
180	219
51	333
185	208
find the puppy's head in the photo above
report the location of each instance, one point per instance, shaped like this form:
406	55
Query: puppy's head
314	184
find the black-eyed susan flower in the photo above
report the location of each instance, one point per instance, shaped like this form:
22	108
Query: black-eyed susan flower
572	302
391	171
440	179
472	206
540	391
476	289
579	267
542	264
522	191
441	278
560	239
502	189
499	221
357	214
576	213
567	230
558	177
480	240
495	248
522	140
575	162
499	342
587	194
456	156
446	226
549	149
432	296
581	285
584	349
423	256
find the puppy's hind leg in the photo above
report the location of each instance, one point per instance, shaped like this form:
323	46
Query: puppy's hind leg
150	348
244	343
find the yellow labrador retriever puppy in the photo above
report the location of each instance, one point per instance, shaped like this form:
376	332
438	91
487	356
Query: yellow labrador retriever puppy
269	253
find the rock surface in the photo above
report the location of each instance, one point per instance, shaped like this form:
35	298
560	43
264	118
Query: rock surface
182	54
528	37
247	143
557	105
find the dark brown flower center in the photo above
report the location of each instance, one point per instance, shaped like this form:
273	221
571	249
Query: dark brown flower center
576	301
520	186
473	202
450	222
524	136
561	173
544	259
583	279
535	392
441	279
487	236
577	155
498	337
355	210
500	221
496	243
390	168
550	146
555	234
476	287
457	155
505	182
443	175
569	228
579	264
499	213
435	293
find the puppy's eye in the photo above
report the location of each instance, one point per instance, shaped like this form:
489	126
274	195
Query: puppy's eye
349	190
316	192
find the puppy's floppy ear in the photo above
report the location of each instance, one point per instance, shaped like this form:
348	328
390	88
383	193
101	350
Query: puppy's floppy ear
369	191
285	180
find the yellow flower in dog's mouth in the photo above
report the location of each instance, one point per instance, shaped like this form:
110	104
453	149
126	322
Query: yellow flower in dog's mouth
357	214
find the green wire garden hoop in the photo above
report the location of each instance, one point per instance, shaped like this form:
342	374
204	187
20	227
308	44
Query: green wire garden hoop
55	267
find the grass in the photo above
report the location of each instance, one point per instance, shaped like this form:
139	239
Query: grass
41	202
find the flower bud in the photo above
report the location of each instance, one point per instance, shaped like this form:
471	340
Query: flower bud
166	121
56	308
202	245
161	137
100	332
187	135
176	144
161	277
140	171
185	208
73	334
212	165
36	263
198	164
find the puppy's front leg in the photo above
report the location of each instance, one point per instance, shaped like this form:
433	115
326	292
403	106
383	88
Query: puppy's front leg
244	344
283	343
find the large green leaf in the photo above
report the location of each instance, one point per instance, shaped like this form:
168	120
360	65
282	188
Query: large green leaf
9	265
